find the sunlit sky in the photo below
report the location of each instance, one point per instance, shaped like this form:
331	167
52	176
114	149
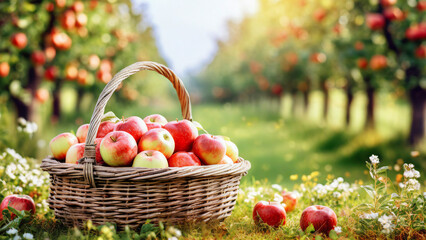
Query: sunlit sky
186	31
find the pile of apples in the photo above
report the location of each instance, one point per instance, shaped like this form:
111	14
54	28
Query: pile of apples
151	143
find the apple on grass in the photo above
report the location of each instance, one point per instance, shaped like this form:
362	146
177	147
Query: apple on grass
60	144
18	202
322	218
150	159
290	201
210	149
158	139
118	149
105	128
75	153
184	159
155	118
135	126
82	133
183	132
271	213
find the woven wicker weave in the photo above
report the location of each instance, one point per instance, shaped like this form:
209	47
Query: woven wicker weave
130	196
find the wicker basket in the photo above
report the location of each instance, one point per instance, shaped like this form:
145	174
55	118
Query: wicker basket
130	196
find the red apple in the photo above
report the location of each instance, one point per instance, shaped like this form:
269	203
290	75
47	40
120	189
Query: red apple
81	133
150	159
387	3
133	125
153	125
290	201
94	61
104	76
184	159
184	133
19	40
421	5
378	62
75	153
68	20
60	144
231	150
271	213
320	14
78	6
155	118
158	139
42	95
38	58
118	149
60	3
226	160
416	32
18	202
394	13
61	40
359	46
81	20
51	73
98	158
322	218
362	63
71	72
4	69
210	149
105	128
421	52
375	21
50	53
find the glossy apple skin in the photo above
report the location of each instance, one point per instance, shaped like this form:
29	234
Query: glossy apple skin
150	159
155	118
153	125
184	159
118	149
272	213
210	149
18	202
183	132
290	201
98	157
105	128
375	21
322	218
231	151
81	133
158	139
75	153
19	40
135	126
60	144
226	160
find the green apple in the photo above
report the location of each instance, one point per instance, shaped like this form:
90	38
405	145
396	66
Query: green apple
150	159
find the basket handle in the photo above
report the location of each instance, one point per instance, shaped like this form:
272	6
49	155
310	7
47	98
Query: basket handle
88	159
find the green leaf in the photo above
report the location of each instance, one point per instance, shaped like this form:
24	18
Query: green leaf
110	116
370	191
382	169
16	212
199	127
318	237
310	229
333	235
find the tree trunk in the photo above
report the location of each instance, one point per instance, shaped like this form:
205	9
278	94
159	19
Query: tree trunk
418	104
370	91
22	109
56	108
349	100
80	93
305	102
325	91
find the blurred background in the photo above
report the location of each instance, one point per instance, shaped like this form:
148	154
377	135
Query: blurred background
299	86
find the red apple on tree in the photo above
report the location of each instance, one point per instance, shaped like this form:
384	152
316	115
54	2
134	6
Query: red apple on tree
421	52
375	21
322	218
184	159
421	5
155	118
118	149
38	58
271	213
4	69
387	3
290	201
183	132
51	73
19	40
393	13
135	126
105	128
42	95
158	139
19	203
362	63
68	20
378	62
60	144
210	149
75	153
150	159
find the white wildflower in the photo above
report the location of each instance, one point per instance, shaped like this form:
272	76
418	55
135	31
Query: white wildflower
18	189
370	215
277	187
17	237
338	230
412	185
278	198
178	233
337	194
12	231
394	195
340	179
386	221
374	159
28	236
172	238
22	121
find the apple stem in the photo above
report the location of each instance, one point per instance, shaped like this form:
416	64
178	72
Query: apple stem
112	138
122	118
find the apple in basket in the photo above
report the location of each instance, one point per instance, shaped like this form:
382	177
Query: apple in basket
150	159
226	160
118	149
98	156
82	133
18	202
210	149
184	159
135	126
75	152
290	201
105	128
158	139
322	218
60	144
231	149
155	118
153	125
271	213
183	132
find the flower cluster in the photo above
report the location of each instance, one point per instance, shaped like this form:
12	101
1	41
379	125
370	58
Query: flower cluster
338	189
387	225
13	234
410	182
26	126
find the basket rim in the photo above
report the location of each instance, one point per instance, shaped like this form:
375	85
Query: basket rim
55	167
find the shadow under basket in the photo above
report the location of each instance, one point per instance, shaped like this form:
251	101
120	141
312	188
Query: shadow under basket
131	196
